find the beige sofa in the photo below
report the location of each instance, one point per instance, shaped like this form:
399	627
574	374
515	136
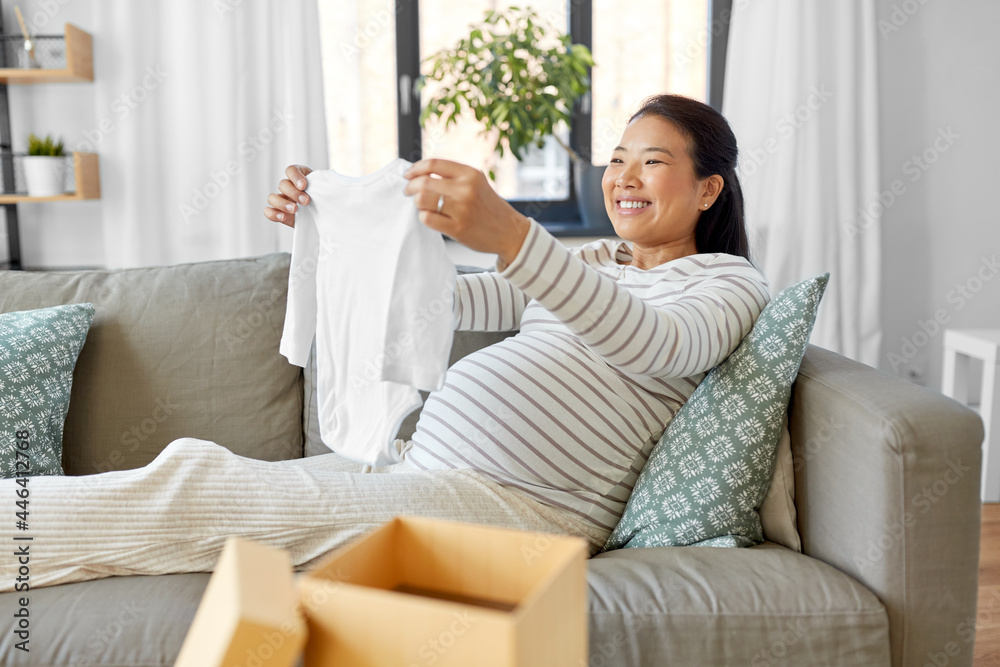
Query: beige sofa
886	493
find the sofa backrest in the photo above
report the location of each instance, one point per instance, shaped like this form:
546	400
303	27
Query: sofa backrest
180	351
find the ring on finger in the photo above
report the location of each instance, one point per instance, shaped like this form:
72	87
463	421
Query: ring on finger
440	204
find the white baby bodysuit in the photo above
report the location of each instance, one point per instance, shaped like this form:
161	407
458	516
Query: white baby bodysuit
375	287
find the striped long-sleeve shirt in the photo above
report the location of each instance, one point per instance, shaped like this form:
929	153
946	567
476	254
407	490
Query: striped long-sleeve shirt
568	410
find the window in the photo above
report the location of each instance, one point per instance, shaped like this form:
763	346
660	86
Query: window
641	53
372	51
358	42
544	174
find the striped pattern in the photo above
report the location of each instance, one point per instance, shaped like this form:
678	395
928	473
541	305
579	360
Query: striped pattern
175	514
568	410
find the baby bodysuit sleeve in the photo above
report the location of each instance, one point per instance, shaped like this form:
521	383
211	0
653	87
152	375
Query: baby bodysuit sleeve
300	310
487	302
681	337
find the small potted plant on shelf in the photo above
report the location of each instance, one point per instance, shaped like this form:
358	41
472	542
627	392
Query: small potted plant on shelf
45	167
520	79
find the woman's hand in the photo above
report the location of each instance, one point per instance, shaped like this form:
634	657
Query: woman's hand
283	205
462	205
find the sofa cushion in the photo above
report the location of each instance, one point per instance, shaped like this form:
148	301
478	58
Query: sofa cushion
777	510
180	351
714	463
765	605
38	351
761	606
113	622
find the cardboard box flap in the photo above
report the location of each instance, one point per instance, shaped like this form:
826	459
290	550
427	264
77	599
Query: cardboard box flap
249	612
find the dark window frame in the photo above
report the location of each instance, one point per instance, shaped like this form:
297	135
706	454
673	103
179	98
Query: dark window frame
720	14
561	217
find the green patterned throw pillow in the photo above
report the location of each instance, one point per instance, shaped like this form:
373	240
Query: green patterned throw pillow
38	351
712	466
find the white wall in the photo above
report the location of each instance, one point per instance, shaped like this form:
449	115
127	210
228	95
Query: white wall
63	234
938	72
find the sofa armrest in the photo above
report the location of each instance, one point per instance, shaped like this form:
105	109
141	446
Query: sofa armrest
887	490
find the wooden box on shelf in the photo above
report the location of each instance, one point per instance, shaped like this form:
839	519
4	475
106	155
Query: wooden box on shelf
79	63
86	174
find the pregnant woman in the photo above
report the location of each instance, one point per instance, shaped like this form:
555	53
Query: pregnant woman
546	430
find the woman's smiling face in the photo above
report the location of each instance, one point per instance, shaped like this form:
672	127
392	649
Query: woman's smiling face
651	191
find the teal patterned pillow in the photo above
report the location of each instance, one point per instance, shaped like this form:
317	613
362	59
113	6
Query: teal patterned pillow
711	469
38	351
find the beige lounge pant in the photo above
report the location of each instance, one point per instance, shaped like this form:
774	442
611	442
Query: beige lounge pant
175	514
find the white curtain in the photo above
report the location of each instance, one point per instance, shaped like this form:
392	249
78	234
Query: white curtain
201	105
801	95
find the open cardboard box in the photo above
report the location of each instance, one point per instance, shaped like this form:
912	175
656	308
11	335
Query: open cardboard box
248	614
427	592
423	591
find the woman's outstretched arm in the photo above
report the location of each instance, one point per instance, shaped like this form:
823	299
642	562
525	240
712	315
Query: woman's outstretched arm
679	336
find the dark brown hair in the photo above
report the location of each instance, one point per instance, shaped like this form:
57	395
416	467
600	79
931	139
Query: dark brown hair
712	148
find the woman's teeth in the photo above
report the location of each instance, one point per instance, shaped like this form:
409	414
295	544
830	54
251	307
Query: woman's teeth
633	204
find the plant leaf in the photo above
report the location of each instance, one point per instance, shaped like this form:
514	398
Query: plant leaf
518	76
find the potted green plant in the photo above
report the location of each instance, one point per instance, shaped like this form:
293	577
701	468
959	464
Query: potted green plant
44	167
520	78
